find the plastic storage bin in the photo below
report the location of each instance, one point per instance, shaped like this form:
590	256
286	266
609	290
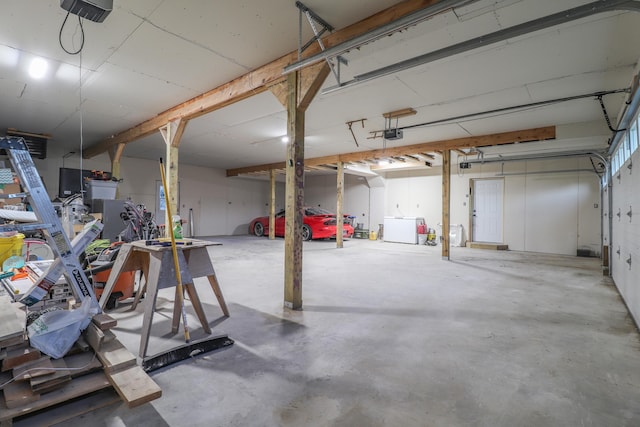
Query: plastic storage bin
10	246
97	189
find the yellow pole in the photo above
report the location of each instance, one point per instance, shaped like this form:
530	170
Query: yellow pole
174	250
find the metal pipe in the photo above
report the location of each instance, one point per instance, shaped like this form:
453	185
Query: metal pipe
627	117
597	95
544	172
406	21
541	156
579	12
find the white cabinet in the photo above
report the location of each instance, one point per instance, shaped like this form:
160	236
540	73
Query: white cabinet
403	229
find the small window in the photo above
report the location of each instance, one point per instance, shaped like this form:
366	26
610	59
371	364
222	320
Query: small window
633	137
620	157
625	147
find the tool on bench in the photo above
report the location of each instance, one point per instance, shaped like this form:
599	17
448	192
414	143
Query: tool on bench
165	243
65	251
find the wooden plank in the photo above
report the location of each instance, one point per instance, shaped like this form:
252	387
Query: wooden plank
82	364
492	246
11	342
94	336
65	411
32	369
339	204
18	356
134	386
253	82
53	381
115	356
78	387
526	135
272	205
294	198
19	393
446	203
104	321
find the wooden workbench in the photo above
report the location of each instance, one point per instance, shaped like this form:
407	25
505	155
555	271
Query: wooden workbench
156	263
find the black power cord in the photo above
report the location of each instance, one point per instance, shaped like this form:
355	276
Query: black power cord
81	33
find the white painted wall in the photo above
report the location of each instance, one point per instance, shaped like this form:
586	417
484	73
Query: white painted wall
626	234
545	210
320	190
221	205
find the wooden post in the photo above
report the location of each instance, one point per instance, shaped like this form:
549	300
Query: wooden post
115	153
446	202
172	134
294	197
272	205
339	208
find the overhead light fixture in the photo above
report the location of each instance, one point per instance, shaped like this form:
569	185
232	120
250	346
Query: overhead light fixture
93	10
38	68
284	139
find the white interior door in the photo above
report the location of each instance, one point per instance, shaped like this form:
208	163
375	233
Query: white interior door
487	210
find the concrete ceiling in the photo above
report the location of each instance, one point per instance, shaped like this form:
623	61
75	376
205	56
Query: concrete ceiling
151	55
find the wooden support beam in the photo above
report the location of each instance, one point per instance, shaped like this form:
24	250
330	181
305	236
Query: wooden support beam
527	135
115	153
311	82
272	204
253	82
294	197
172	134
339	207
446	202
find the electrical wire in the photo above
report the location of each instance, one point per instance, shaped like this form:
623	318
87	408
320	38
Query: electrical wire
81	121
81	33
49	369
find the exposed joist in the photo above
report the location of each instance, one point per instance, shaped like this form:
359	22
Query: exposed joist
536	134
253	82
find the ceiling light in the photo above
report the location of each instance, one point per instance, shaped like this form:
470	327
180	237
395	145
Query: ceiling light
38	68
9	56
284	139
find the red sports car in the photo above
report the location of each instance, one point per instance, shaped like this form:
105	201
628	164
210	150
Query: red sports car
318	224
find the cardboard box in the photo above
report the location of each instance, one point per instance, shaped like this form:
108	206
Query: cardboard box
10	189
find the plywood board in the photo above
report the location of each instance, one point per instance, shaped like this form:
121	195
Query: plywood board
53	381
104	321
18	393
76	388
32	369
18	356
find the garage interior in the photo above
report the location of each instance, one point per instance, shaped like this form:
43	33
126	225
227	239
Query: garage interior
509	126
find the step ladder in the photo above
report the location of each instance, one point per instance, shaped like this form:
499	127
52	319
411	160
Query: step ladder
66	252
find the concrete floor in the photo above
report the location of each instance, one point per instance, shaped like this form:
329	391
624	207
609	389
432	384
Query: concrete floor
392	335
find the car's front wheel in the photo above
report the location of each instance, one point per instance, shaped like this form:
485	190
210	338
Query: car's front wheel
306	232
258	229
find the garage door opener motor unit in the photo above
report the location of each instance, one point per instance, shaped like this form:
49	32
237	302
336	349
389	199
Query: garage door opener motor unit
93	10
